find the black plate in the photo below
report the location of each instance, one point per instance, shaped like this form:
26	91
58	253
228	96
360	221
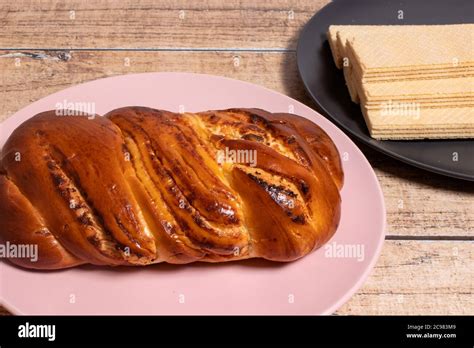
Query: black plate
325	83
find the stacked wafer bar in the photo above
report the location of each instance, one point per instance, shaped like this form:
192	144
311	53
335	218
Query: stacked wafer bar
412	81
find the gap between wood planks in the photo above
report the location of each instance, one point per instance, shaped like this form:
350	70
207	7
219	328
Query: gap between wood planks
428	238
157	49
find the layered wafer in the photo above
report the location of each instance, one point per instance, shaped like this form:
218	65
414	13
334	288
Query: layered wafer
413	82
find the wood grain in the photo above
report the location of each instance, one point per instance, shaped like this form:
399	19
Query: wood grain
154	24
30	75
418	203
418	277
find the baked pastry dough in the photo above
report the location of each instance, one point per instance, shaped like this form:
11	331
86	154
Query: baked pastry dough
142	186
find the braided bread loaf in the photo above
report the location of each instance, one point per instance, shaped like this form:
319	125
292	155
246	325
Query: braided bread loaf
142	186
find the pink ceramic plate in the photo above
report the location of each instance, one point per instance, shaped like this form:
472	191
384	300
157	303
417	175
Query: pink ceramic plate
316	284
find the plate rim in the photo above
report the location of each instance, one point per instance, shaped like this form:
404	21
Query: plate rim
362	277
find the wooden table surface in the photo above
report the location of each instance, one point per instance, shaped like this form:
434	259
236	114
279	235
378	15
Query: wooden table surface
426	266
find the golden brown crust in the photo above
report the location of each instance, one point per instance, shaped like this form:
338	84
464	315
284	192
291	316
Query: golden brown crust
141	186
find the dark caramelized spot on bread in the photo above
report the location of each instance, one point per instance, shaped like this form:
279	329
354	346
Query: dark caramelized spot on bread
299	219
304	187
85	220
284	197
253	137
273	190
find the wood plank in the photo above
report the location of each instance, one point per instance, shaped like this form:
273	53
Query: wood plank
421	203
26	79
154	24
418	203
416	277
